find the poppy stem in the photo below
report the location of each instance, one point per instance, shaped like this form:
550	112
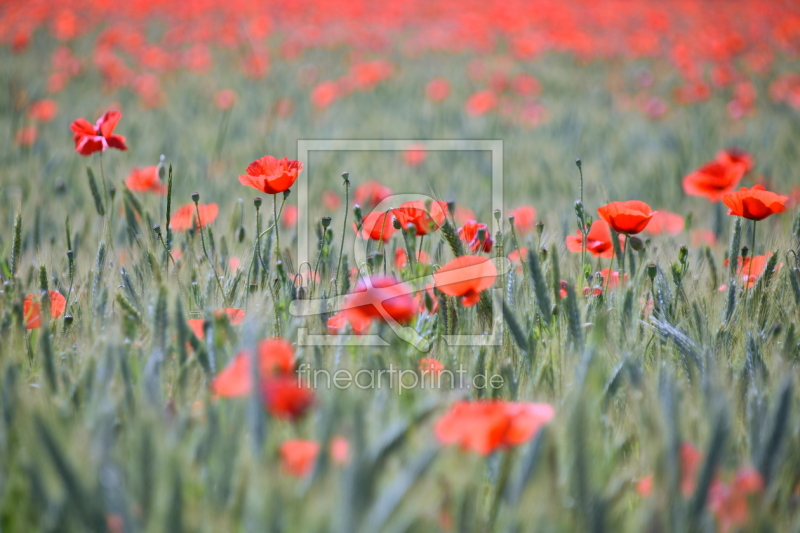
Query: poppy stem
752	255
346	177
624	251
103	179
205	252
277	232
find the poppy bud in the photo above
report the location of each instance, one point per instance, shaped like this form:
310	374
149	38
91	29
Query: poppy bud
511	220
162	169
482	234
683	253
411	229
257	202
357	213
539	228
70	254
240	234
195	197
428	301
497	215
67	321
652	269
578	162
329	235
157	229
346	177
301	293
451	207
636	243
286	193
326	221
745	252
112	191
579	209
253	287
396	224
543	253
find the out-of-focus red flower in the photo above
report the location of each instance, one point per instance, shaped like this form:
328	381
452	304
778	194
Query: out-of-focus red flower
32	311
325	94
729	503
466	277
700	236
145	180
286	397
233	264
665	222
469	233
198	58
430	366
598	240
298	456
337	323
401	258
488	425
371	193
629	217
755	203
271	175
26	136
368	74
713	180
185	217
225	99
376	292
654	108
414	155
90	139
462	214
481	103
750	268
283	107
416	213
525	84
613	282
377	226
331	200
524	219
692	92
148	87
289	215
690	460
275	358
736	156
43	110
256	64
437	90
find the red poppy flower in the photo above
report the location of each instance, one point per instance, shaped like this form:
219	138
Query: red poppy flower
430	366
271	175
26	136
376	226
690	460
184	217
289	216
488	425
286	398
469	234
713	180
462	214
90	139
331	200
370	194
197	325
145	180
275	358
750	268
325	94
467	277
614	281
337	323
481	103
43	110
524	219
298	456
665	222
755	204
225	99
414	155
416	213
370	294
32	311
700	236
401	258
736	156
730	503
438	89
629	217
598	240
235	316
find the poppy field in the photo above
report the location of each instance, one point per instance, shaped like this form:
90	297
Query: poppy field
347	266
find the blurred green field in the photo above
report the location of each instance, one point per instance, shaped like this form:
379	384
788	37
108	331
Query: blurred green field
108	421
